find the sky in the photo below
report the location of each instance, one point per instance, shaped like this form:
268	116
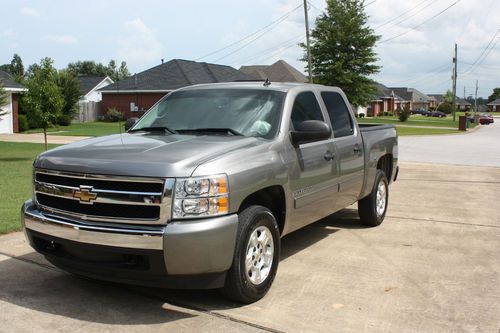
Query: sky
415	48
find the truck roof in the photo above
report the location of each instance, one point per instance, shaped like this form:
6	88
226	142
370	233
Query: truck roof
280	86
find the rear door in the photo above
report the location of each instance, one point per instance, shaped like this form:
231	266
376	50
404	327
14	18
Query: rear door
348	146
312	179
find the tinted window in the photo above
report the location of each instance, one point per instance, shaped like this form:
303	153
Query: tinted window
339	114
306	107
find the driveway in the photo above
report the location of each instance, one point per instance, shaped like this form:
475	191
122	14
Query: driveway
432	266
481	147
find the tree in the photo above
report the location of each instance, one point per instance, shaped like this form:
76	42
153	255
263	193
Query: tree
70	91
17	67
494	95
90	67
43	100
342	50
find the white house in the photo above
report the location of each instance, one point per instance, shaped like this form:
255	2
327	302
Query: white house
88	105
9	121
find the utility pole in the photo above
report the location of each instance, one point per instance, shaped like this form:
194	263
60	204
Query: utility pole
475	101
309	66
454	83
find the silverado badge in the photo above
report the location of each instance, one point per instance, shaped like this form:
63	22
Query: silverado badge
85	194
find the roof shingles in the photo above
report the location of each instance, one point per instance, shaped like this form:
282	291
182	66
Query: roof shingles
177	73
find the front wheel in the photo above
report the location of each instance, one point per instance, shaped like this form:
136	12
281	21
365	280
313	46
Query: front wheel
256	256
372	208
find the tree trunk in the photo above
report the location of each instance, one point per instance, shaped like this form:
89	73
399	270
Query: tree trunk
45	138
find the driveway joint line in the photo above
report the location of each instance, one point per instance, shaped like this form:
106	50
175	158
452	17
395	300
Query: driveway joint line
442	221
207	312
28	261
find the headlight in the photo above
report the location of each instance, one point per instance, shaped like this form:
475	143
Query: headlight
200	196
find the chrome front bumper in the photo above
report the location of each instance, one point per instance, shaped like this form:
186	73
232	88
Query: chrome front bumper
35	220
188	247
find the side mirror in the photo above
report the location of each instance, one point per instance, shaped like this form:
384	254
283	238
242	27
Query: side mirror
130	122
310	131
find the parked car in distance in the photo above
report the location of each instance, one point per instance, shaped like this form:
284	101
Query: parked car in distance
484	119
422	112
438	114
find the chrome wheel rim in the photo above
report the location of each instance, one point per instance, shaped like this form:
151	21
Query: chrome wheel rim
259	255
381	198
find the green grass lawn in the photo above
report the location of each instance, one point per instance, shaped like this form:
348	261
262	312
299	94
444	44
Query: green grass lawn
413	121
402	131
16	161
84	129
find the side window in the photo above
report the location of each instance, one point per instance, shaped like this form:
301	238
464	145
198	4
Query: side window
306	107
339	114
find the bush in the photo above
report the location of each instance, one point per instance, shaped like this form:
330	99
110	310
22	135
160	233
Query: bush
361	115
63	120
403	114
113	115
23	123
445	107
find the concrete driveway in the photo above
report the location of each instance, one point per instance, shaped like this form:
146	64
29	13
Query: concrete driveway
432	266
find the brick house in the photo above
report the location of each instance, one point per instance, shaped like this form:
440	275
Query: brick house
494	106
460	103
385	100
136	94
417	99
9	121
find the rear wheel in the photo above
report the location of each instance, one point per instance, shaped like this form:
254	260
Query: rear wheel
372	208
256	256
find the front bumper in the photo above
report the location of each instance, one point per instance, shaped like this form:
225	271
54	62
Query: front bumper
187	254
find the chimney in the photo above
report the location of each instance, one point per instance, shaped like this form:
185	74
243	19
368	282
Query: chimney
162	60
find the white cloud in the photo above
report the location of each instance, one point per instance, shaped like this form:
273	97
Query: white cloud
61	39
7	33
140	47
30	12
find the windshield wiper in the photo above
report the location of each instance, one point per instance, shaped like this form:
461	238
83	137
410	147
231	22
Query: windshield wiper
154	129
212	130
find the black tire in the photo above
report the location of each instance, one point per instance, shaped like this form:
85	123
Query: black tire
367	207
238	286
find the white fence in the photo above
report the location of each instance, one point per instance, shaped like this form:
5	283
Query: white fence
88	111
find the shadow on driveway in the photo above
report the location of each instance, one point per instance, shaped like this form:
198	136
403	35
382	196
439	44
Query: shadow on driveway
46	289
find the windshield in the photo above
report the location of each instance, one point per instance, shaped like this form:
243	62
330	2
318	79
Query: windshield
243	111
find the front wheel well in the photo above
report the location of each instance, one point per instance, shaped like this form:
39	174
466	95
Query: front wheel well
273	198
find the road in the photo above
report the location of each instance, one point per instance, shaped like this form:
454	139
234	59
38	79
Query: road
481	147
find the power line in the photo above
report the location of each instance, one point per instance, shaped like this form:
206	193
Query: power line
406	18
470	69
419	25
272	49
273	23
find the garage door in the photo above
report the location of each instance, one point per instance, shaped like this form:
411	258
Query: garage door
6	120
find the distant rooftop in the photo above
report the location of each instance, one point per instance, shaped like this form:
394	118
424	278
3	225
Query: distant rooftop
177	73
9	82
280	71
87	83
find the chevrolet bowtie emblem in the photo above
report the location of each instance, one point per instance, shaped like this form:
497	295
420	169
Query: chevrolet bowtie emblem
85	194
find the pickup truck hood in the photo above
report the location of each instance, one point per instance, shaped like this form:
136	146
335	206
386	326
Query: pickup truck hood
146	155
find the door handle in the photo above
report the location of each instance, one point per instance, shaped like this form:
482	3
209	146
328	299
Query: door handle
329	156
357	148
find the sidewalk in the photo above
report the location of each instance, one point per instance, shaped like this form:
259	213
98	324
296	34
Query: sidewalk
38	138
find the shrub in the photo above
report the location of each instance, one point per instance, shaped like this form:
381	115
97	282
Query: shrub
63	120
361	115
403	114
445	107
23	123
113	115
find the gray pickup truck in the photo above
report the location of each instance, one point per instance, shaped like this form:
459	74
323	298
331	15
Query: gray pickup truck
199	192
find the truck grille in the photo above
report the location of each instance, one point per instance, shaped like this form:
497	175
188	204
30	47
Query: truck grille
104	198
